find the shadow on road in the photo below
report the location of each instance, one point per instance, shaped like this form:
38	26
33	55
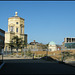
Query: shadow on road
43	65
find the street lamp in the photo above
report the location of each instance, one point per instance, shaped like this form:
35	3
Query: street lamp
47	52
6	50
61	56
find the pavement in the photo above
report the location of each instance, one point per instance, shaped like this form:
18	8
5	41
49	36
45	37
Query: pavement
36	66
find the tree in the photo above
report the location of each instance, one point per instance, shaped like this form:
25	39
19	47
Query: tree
11	44
43	46
22	46
66	54
17	43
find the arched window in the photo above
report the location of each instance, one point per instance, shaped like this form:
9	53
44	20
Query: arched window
12	28
16	29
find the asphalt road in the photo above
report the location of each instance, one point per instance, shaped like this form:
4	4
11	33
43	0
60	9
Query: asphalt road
36	68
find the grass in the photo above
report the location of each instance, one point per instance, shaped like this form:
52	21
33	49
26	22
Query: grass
55	54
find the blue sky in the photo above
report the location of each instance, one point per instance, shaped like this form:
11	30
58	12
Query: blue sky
45	21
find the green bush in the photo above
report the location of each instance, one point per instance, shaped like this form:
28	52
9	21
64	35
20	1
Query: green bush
28	53
22	53
66	55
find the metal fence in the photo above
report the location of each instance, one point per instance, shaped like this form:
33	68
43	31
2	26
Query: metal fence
45	51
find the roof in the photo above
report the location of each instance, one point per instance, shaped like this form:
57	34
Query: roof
16	16
52	43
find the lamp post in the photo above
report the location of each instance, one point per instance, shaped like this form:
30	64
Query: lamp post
24	53
33	55
6	50
62	56
21	51
47	52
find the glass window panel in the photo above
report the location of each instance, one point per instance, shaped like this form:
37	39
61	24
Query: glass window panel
70	45
16	29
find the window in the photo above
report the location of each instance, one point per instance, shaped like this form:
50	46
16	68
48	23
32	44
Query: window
16	22
11	28
16	29
21	29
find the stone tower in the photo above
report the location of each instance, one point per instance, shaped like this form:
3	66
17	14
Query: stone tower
15	27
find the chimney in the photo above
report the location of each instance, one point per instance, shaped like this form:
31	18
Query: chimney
34	40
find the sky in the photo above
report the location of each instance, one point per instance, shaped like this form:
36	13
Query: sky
45	21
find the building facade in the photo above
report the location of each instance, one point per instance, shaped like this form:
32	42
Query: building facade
69	43
52	46
35	46
2	39
15	28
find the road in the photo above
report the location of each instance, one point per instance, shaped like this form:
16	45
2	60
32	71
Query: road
30	66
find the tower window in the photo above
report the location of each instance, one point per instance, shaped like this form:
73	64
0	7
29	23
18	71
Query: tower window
11	28
16	22
16	29
21	29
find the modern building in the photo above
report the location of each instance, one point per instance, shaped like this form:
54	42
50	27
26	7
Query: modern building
2	39
69	43
15	28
